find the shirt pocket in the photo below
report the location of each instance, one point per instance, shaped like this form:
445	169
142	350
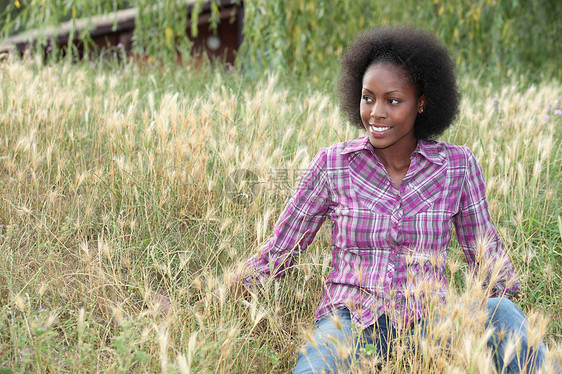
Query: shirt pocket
377	201
370	190
425	194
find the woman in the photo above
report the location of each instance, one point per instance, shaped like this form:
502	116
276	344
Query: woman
392	196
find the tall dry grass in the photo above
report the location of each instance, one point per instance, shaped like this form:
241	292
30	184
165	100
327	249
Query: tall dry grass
120	186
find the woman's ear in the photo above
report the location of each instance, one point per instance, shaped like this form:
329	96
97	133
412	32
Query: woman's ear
421	104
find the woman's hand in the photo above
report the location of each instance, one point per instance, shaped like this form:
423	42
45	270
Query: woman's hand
162	302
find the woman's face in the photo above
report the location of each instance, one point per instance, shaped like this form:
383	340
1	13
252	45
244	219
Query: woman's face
389	106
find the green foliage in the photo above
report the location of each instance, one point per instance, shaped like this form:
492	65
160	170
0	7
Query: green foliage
160	26
160	30
487	37
22	15
492	38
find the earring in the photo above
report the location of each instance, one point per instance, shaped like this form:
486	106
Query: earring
421	109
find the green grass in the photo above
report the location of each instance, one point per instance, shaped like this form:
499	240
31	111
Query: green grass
115	188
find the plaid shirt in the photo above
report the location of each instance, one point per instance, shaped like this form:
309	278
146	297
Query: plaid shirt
385	240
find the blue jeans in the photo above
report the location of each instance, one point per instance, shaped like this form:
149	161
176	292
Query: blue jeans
504	316
336	342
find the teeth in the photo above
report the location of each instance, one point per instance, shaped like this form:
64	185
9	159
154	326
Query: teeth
379	129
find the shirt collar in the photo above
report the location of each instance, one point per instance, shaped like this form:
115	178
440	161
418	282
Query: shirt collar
429	149
359	144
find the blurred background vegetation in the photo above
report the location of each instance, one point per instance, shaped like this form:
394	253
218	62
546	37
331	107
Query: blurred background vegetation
494	39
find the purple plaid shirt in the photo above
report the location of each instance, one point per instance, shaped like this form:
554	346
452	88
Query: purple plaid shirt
385	240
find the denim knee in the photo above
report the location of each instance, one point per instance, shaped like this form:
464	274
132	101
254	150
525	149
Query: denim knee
330	349
505	316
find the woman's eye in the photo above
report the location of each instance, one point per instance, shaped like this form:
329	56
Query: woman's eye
367	99
394	101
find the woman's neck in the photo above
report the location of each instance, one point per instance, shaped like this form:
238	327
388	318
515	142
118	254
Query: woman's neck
396	161
397	155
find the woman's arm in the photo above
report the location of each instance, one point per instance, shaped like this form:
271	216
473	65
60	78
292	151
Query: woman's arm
296	227
477	236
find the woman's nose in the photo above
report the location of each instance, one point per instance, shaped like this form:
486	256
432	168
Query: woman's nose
378	110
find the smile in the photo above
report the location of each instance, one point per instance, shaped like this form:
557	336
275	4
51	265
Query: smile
377	129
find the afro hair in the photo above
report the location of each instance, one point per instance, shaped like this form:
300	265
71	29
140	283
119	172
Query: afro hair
427	63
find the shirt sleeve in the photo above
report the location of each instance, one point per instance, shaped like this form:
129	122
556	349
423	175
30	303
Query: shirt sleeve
479	239
296	227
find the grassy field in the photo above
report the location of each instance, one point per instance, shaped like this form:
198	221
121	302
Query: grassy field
117	186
